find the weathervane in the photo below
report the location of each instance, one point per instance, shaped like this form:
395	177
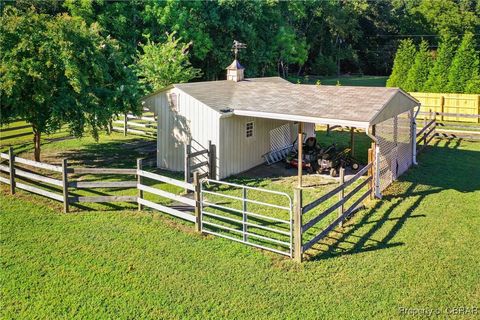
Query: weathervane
237	45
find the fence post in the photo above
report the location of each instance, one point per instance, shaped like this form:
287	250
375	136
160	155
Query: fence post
478	107
11	164
341	194
125	125
65	185
139	182
212	160
369	174
244	214
297	225
442	106
198	213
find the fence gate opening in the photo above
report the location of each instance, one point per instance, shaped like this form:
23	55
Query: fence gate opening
257	217
395	149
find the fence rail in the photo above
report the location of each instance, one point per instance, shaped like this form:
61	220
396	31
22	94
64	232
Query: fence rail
140	125
338	206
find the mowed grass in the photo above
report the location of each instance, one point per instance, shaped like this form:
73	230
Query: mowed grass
345	80
417	247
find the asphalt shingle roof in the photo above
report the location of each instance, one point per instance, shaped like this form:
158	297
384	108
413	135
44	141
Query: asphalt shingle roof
275	95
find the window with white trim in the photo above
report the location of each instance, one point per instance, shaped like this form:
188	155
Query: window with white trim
249	129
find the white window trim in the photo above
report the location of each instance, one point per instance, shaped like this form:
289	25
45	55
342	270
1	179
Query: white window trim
246	129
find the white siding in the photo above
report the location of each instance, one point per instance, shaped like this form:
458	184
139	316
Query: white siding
237	153
191	120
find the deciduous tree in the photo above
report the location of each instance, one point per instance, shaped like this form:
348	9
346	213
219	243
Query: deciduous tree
56	70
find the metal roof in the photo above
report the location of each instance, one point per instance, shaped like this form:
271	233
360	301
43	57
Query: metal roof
276	98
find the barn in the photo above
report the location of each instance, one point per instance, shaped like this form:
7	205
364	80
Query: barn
243	119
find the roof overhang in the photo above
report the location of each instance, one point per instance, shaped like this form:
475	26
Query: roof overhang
299	118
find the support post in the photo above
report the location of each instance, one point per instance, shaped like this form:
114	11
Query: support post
352	141
300	153
139	181
125	125
198	213
341	194
244	214
328	129
11	164
65	185
297	225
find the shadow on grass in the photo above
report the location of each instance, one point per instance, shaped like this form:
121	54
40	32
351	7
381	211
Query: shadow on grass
442	166
113	154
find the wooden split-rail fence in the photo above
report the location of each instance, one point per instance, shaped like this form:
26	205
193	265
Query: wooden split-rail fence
145	125
58	182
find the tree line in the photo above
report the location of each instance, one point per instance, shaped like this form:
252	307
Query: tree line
454	67
82	63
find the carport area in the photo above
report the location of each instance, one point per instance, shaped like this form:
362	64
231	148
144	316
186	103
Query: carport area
386	115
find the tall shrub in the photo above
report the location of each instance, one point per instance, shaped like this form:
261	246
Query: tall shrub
438	78
464	66
402	63
418	73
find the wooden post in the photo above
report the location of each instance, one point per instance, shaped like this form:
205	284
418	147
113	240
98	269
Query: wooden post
198	213
65	185
11	164
125	125
300	153
139	182
297	225
341	194
442	106
478	107
212	161
352	141
328	129
244	215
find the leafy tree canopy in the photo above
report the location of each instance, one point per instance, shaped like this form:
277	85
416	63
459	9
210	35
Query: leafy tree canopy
56	70
162	64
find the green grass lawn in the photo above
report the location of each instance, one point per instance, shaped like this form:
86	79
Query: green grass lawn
367	81
417	247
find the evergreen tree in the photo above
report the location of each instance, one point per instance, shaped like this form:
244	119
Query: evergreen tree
402	63
418	73
438	78
464	66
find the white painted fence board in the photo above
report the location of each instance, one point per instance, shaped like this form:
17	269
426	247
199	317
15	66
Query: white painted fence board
4	180
173	212
38	177
39	191
37	164
161	178
102	171
103	199
168	195
102	184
